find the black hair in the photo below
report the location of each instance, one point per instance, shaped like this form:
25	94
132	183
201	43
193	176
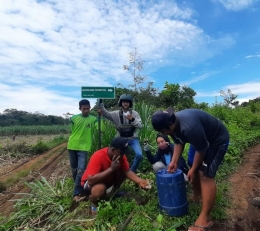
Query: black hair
83	102
165	137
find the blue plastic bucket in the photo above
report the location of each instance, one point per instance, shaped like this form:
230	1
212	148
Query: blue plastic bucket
172	192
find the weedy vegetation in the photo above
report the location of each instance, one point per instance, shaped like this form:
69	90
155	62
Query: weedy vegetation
48	205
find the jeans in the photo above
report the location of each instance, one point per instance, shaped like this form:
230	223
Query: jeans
135	145
78	161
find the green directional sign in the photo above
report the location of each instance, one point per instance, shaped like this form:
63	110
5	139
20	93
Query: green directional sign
98	92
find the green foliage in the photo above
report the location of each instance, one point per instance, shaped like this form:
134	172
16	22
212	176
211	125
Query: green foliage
45	206
22	149
50	209
11	117
34	130
176	96
40	147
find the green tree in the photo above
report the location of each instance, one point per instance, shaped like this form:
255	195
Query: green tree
176	96
229	98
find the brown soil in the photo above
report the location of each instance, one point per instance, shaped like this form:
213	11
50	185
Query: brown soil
245	185
28	139
42	165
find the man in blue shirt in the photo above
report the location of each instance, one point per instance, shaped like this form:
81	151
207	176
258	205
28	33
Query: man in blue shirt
210	139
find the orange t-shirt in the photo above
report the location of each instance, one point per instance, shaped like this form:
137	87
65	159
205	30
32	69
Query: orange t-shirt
99	162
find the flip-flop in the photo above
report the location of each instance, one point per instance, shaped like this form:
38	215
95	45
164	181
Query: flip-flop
200	227
93	210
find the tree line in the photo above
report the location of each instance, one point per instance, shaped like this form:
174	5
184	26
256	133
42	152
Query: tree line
11	117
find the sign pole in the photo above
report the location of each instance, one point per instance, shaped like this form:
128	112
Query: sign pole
99	127
98	93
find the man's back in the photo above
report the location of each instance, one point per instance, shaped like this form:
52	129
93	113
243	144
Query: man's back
198	127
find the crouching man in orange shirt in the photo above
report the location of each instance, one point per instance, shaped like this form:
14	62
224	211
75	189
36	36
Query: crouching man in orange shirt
106	170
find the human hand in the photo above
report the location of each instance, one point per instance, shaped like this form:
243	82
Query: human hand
115	163
172	167
145	184
99	111
191	175
129	116
146	147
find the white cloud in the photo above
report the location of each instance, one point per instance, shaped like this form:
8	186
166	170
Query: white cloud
245	88
59	43
252	56
237	5
31	99
245	91
199	78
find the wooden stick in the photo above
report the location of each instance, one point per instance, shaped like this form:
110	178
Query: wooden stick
126	221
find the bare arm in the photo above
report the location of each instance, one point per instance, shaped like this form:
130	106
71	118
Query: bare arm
133	177
177	152
178	149
100	177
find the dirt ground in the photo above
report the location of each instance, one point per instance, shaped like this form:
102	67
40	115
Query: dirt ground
49	165
28	139
245	185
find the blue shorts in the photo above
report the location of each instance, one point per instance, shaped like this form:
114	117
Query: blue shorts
212	160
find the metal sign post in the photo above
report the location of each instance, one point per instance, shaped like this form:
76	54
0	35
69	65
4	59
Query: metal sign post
99	93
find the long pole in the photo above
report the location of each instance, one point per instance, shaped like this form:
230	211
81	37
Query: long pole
99	127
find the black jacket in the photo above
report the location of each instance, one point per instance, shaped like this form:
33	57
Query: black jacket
159	156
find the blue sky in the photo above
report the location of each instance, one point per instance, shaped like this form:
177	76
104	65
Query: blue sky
49	49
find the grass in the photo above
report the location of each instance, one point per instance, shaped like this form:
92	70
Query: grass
56	199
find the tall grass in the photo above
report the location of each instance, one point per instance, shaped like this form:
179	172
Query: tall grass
35	130
47	208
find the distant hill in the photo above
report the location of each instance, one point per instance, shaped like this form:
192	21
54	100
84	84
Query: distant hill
12	117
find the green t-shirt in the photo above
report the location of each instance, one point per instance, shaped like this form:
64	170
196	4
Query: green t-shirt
82	129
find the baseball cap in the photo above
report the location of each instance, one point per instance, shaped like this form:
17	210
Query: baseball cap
162	119
121	143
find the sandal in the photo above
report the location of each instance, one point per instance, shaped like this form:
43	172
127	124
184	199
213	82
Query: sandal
93	210
200	227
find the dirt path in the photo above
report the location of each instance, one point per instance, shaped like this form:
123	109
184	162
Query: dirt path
244	186
41	165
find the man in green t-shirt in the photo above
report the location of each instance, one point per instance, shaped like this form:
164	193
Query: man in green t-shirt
80	143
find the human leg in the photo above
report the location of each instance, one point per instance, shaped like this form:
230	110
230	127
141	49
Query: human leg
97	193
208	196
158	166
196	188
73	163
135	145
207	172
82	158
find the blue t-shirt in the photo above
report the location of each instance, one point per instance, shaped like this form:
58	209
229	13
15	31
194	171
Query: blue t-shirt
200	129
167	158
